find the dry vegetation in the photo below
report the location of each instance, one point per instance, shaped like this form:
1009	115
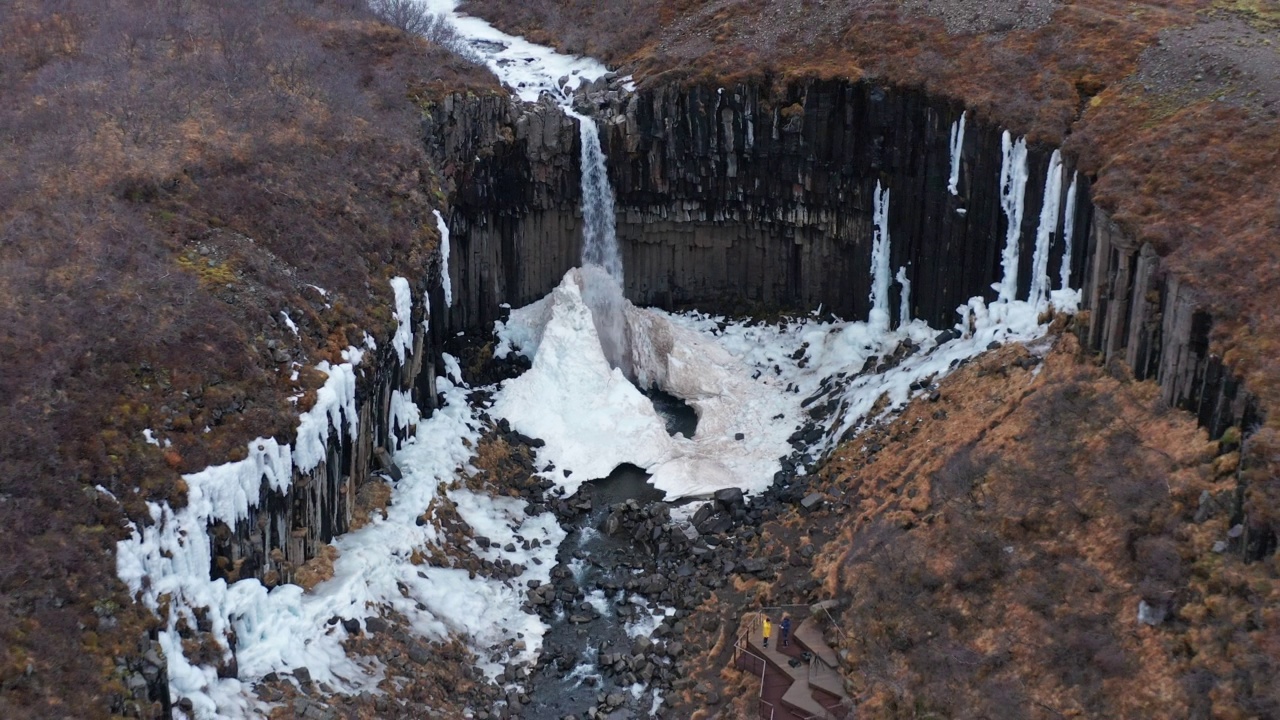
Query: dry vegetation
176	174
990	552
995	558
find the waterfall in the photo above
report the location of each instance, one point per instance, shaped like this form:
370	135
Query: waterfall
1013	186
601	274
599	237
880	276
957	144
1044	231
1068	229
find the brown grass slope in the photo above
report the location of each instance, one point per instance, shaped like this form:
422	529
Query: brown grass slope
174	176
990	551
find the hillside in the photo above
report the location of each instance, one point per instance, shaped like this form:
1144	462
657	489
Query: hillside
177	178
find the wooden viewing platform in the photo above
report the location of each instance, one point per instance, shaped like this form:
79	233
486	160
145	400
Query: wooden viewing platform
799	680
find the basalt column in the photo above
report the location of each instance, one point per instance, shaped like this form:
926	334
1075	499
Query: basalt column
731	198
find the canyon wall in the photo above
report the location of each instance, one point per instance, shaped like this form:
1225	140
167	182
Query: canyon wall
285	529
734	200
748	198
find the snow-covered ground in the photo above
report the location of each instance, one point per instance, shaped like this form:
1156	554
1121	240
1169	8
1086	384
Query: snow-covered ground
284	628
750	383
528	69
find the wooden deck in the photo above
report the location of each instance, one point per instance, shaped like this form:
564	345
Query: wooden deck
788	681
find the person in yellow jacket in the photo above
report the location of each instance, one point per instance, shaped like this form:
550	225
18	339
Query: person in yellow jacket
767	628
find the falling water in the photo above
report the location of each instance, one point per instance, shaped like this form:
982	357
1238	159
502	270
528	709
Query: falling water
601	262
599	237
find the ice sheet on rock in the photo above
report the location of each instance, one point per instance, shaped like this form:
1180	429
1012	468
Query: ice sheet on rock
1013	186
402	341
904	310
1040	284
404	413
446	282
957	146
528	69
1068	231
880	247
335	408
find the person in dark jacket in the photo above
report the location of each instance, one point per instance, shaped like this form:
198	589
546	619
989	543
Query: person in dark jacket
786	630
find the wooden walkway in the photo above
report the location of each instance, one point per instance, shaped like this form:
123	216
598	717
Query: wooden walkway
793	687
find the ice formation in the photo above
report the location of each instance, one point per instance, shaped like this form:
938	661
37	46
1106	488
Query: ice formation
957	145
446	283
1013	187
880	277
1068	231
402	341
1040	285
904	310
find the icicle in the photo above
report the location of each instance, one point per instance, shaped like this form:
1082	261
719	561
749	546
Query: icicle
1013	186
880	276
957	144
1068	229
445	282
904	312
1044	231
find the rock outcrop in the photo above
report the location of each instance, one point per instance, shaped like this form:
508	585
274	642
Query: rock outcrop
284	530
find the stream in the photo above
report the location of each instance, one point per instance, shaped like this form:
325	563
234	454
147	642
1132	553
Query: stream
604	618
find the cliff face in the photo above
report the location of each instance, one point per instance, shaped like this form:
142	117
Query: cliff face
286	529
732	199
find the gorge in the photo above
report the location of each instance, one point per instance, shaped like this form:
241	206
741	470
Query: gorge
936	384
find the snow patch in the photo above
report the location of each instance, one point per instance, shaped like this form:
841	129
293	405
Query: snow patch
288	322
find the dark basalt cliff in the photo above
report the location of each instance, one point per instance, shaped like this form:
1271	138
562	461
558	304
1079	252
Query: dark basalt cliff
284	530
732	199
